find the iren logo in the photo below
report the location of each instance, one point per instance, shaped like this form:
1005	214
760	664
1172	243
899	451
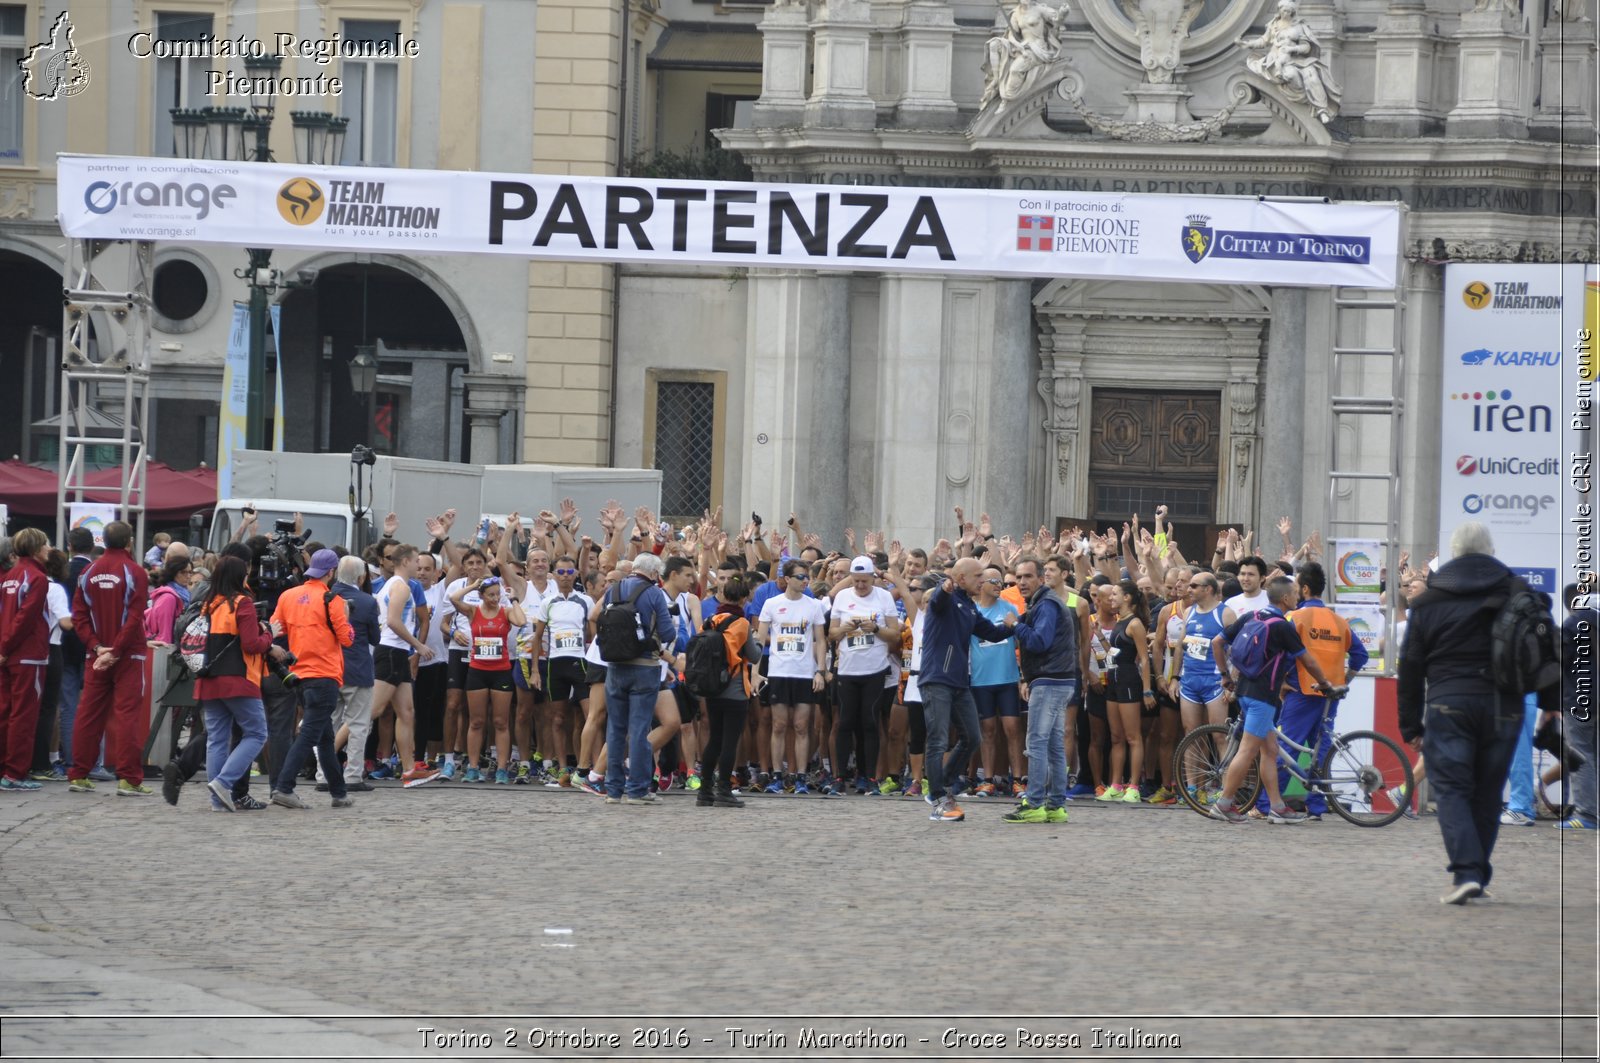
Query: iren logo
1491	411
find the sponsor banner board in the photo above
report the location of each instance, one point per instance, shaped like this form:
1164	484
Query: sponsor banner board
1210	239
1367	625
92	515
1357	570
1515	451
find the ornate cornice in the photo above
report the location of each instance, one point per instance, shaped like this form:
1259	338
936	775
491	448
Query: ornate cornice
1445	250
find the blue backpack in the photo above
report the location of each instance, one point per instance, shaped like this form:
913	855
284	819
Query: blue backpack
1249	652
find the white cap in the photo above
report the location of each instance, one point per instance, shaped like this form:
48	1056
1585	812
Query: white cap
863	564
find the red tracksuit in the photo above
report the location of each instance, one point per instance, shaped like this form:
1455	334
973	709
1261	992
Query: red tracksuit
25	646
108	610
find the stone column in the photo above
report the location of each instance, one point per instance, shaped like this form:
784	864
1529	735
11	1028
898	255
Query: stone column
923	442
839	97
1405	51
929	35
1010	437
497	400
1566	99
1060	384
1284	395
484	436
426	436
785	41
796	399
1241	457
1489	76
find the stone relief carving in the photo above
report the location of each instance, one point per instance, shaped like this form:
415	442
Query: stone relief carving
1149	131
1568	10
1061	396
1030	42
1162	26
1441	250
1293	61
1242	404
16	199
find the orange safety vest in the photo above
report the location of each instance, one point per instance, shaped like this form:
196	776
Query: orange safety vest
1326	635
224	620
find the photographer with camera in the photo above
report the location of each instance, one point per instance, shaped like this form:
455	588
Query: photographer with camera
317	625
229	687
276	565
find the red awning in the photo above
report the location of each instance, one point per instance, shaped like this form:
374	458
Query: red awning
173	495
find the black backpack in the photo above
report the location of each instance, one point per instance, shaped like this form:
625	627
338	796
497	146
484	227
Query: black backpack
705	661
1522	644
619	632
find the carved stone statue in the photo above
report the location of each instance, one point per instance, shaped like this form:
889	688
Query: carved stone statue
1031	42
1293	61
1162	26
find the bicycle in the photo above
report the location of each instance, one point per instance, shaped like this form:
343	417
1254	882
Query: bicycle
1355	774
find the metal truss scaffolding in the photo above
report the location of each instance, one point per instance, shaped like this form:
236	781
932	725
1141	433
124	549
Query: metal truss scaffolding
105	374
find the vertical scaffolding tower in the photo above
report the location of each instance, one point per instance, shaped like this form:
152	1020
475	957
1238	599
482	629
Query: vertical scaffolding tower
1366	385
105	369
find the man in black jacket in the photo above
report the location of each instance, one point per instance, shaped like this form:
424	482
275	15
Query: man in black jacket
1451	710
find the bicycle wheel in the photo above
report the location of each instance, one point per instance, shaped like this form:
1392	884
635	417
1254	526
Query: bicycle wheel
1199	762
1359	770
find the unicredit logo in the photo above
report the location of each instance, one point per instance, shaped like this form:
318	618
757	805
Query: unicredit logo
1530	505
1467	465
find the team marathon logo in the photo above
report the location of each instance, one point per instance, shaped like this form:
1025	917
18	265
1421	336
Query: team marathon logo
1507	295
357	207
55	69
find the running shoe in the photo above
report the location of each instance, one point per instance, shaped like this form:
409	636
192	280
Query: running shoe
42	776
248	803
947	811
472	775
59	770
502	778
1055	815
692	782
581	781
1286	815
800	785
1026	814
524	775
126	789
80	786
773	787
447	771
1163	796
862	785
830	789
1130	796
288	800
12	785
420	775
642	799
1081	789
983	789
381	770
890	785
1400	799
1228	814
1108	793
872	788
1512	818
1577	822
553	782
223	794
924	794
1255	813
1462	893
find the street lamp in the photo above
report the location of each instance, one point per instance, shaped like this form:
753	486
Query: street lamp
237	134
364	380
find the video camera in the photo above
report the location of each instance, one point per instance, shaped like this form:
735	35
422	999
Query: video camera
280	566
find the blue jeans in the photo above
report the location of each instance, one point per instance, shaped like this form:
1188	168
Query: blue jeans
319	700
630	706
1468	744
221	714
941	704
1047	742
1300	716
1581	740
1521	799
71	690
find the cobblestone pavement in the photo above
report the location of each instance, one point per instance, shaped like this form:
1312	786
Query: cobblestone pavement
792	913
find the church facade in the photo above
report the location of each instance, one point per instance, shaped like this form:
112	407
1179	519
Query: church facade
884	400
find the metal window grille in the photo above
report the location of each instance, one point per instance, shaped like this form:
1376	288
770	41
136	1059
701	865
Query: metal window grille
685	421
1191	504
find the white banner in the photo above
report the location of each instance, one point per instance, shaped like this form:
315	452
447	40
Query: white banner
1357	566
231	419
94	516
1505	421
1210	239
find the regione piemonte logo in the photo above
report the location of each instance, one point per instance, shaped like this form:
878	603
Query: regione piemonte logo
1035	232
54	69
300	201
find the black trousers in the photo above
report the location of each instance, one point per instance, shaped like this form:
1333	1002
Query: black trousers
281	705
49	703
1468	743
726	718
857	697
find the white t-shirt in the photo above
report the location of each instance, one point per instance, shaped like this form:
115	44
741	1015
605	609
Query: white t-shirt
408	620
564	621
460	623
1242	604
533	601
56	609
433	637
912	693
864	652
792	625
